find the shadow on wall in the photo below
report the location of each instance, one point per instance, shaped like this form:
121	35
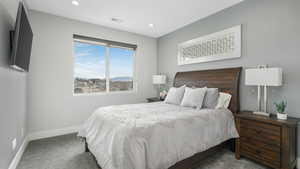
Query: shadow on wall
6	25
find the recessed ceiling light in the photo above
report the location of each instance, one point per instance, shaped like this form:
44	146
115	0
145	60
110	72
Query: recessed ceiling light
151	25
76	3
117	20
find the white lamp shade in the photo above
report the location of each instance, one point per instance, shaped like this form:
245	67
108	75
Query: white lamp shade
264	77
159	79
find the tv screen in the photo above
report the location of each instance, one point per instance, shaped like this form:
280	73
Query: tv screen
22	41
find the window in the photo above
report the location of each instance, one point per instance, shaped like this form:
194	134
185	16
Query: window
102	66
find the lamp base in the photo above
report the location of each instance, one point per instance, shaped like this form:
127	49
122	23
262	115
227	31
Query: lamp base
261	113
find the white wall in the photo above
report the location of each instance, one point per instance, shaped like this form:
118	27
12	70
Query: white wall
268	37
51	101
12	89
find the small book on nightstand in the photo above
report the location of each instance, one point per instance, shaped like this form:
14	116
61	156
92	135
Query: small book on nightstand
267	140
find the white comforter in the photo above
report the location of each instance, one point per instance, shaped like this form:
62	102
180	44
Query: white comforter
153	135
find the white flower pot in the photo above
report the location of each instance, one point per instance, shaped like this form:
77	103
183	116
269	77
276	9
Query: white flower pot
281	116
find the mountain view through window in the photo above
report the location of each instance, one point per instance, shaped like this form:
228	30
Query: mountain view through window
100	68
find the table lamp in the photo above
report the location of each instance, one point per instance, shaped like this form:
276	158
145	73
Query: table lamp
159	80
263	76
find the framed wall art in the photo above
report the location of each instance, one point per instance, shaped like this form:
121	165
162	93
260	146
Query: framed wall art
221	45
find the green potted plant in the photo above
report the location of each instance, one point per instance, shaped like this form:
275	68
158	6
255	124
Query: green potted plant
280	108
163	93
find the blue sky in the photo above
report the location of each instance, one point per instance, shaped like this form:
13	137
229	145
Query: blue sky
90	61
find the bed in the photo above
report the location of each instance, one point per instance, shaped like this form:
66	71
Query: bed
164	136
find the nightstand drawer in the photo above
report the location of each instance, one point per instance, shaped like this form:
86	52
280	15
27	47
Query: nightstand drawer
267	140
260	144
266	156
261	131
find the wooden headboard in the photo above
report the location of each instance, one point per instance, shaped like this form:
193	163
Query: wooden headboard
226	80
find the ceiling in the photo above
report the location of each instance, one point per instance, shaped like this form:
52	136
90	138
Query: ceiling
136	15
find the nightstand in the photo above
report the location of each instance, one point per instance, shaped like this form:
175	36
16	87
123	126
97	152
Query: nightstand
153	99
267	140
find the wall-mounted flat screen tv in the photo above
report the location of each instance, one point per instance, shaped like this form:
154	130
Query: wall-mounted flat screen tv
21	41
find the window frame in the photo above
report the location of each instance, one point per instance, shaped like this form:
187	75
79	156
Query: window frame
107	68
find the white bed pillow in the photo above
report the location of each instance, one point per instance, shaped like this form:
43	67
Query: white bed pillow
175	95
193	97
223	100
211	98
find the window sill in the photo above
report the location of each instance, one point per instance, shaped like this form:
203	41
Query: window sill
106	93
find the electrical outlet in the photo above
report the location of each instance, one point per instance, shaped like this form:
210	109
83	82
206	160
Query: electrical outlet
14	144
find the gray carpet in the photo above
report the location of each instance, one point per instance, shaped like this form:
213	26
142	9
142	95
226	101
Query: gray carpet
67	152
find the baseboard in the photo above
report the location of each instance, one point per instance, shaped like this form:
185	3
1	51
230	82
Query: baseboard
52	133
14	163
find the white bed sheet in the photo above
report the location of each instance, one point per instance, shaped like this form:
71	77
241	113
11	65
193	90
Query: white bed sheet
154	135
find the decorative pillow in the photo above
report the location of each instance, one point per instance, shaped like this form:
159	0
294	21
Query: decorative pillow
175	95
211	98
193	97
223	100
